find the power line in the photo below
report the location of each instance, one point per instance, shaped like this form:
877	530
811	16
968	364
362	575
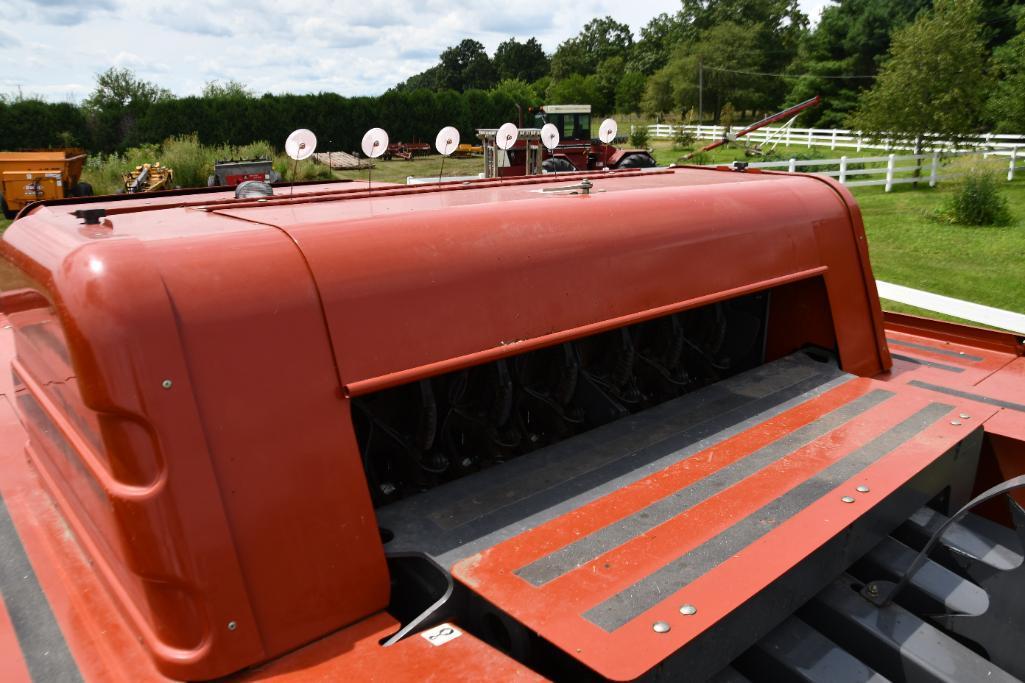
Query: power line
762	73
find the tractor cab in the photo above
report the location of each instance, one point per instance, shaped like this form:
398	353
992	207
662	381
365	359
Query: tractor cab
572	120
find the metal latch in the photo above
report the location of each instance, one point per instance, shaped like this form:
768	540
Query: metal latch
583	188
90	216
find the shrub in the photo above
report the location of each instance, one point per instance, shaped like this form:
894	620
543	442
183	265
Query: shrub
191	162
639	137
977	197
683	140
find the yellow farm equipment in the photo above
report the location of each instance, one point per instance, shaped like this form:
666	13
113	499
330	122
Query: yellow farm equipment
36	175
148	178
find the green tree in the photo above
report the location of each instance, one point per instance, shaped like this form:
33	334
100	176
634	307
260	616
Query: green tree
851	39
466	66
226	89
429	79
608	75
519	92
934	80
600	39
577	89
727	57
1006	104
524	61
657	41
117	103
118	88
629	92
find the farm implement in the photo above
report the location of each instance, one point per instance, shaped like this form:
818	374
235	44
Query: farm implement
33	176
645	424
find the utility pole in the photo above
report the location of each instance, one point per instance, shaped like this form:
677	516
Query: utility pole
701	92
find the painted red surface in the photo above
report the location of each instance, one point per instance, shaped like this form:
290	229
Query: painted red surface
191	495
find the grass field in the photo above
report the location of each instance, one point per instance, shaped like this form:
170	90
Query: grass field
984	265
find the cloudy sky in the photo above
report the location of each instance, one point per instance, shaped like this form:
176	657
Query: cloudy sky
55	48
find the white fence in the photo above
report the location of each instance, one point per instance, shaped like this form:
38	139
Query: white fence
891	169
833	138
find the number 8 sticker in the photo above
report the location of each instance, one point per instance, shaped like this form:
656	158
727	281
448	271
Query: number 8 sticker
439	635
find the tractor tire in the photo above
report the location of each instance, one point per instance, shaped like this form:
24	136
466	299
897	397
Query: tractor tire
558	165
636	160
275	177
81	190
8	214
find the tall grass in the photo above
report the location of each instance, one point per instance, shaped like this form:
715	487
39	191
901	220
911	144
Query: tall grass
192	163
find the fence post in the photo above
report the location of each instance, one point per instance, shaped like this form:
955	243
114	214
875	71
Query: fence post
843	166
889	172
1010	166
788	137
697	134
793	165
832	142
809	136
934	169
859	142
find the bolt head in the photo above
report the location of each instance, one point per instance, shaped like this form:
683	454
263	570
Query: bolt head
661	627
873	589
166	384
964	416
863	489
688	610
956	423
232	625
847	499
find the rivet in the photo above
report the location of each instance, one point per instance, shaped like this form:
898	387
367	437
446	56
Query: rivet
166	384
863	489
660	627
232	626
688	610
847	499
956	423
964	416
960	353
873	589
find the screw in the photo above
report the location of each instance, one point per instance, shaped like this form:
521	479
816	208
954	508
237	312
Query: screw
863	489
232	626
964	416
847	499
688	610
956	423
166	384
660	627
873	589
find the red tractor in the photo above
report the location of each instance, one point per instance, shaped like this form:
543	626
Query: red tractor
576	150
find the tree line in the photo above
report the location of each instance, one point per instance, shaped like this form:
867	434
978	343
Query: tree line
126	112
905	66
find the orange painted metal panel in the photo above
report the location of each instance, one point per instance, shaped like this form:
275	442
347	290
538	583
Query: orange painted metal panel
568	609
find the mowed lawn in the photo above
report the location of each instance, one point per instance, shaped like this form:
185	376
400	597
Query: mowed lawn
981	264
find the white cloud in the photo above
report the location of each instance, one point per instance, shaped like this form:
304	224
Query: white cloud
353	47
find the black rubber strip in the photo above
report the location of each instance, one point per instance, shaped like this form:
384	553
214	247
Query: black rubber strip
633	601
42	644
935	349
591	546
929	363
967	394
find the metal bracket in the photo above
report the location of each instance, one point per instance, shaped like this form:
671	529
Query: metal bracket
90	216
884	597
